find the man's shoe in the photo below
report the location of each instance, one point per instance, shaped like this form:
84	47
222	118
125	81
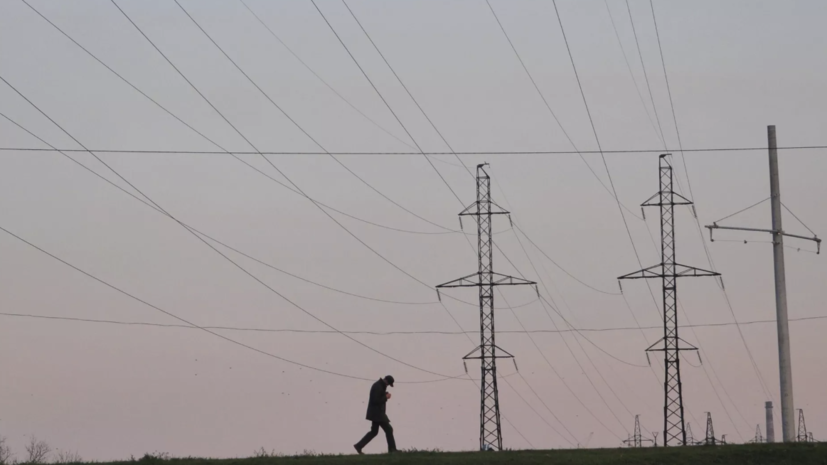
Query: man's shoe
358	449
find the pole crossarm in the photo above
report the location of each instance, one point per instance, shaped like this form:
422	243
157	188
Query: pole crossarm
774	232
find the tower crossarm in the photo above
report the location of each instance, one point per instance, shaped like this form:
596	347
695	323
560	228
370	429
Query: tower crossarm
471	210
678	271
496	348
655	200
652	348
482	279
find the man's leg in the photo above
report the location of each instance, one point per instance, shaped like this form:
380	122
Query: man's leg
374	430
388	429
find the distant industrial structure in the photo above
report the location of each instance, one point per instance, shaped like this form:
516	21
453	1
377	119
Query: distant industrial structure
710	439
636	439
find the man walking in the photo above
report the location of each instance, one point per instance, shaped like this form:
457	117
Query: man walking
379	396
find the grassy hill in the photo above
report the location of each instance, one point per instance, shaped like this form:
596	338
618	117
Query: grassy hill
762	454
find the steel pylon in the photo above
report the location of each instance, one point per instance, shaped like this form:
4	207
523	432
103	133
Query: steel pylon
485	279
802	435
674	431
637	439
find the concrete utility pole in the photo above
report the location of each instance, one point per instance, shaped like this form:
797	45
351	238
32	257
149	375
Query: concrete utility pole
785	369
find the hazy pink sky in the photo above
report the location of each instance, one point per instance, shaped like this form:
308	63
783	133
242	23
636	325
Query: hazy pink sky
110	391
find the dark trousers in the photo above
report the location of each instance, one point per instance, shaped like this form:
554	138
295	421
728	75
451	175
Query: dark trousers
374	430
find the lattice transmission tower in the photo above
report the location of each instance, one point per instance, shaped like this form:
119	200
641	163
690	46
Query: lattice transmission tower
710	439
759	438
674	431
802	435
637	439
485	279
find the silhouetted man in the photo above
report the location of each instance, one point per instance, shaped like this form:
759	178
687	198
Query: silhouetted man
379	396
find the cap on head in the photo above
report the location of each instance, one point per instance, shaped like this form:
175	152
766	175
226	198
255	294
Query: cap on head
389	379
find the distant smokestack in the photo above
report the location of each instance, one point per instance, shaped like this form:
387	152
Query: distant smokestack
770	428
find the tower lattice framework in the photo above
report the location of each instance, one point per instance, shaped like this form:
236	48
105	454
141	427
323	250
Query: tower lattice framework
674	430
485	279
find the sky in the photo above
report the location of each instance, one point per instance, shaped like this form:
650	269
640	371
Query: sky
384	226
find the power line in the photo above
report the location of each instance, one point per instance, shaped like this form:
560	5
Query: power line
390	333
594	131
420	149
742	210
330	288
605	164
402	83
180	73
645	74
543	301
563	380
374	251
517	227
413	139
298	126
253	146
629	67
698	224
591	121
297	57
241	268
662	137
439	133
421	110
482	152
190	127
537	88
189	324
799	220
538	413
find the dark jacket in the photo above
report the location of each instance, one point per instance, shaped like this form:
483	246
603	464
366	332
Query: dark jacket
377	401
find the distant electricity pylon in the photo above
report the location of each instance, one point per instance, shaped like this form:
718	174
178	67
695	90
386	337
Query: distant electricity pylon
637	439
784	356
674	432
690	439
710	439
759	438
485	279
802	428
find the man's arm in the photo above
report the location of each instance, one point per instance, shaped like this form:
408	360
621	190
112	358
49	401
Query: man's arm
377	395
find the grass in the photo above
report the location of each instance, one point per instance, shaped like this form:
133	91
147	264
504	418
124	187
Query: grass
761	454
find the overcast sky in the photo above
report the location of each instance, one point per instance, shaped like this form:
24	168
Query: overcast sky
111	391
